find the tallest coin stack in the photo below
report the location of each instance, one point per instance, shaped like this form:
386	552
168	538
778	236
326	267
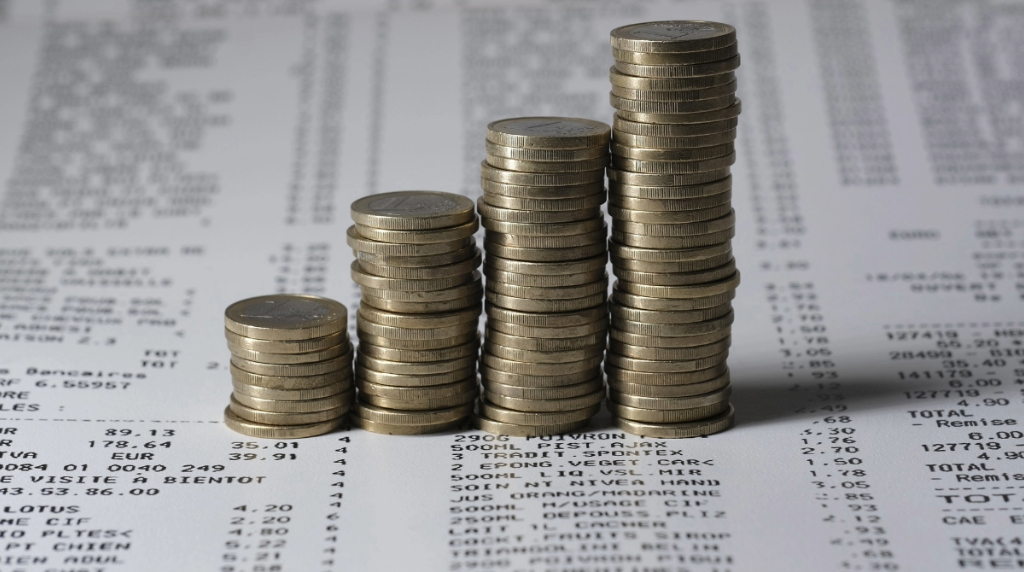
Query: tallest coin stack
673	86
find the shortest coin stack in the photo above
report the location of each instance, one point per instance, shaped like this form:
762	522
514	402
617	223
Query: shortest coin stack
291	366
418	323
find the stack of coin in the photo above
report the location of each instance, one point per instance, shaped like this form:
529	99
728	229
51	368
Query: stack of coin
291	366
673	86
418	323
547	288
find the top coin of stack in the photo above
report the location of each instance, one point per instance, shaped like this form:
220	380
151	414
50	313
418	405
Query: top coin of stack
543	184
291	366
418	323
673	86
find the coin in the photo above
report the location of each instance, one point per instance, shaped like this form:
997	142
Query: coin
564	254
543	281
667	143
432	236
673	266
599	328
693	106
430	404
664	210
672	242
284	346
550	306
669	415
539	179
415	333
540	293
677	278
412	210
687	154
715	164
679	70
687	57
470	348
709	426
548	320
673	36
277	418
548	132
652	341
426	320
299	369
701	117
545	392
621	79
438	306
490	375
539	154
422	272
266	431
695	291
397	417
289	382
415	367
669	255
620	190
414	380
715	397
639	127
548	242
666	179
586	265
443	259
668	316
291	394
664	217
673	95
624	298
505	415
547	205
513	430
471	288
493	214
669	354
343	400
362	244
393	429
284	359
402	344
665	378
547	229
460	387
546	344
528	192
539	356
677	390
665	366
524	166
286	317
406	285
565	368
547	405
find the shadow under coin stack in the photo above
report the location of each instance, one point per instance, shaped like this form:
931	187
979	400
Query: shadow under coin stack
673	86
418	322
291	366
547	288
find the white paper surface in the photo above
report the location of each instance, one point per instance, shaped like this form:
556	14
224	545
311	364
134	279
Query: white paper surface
161	160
